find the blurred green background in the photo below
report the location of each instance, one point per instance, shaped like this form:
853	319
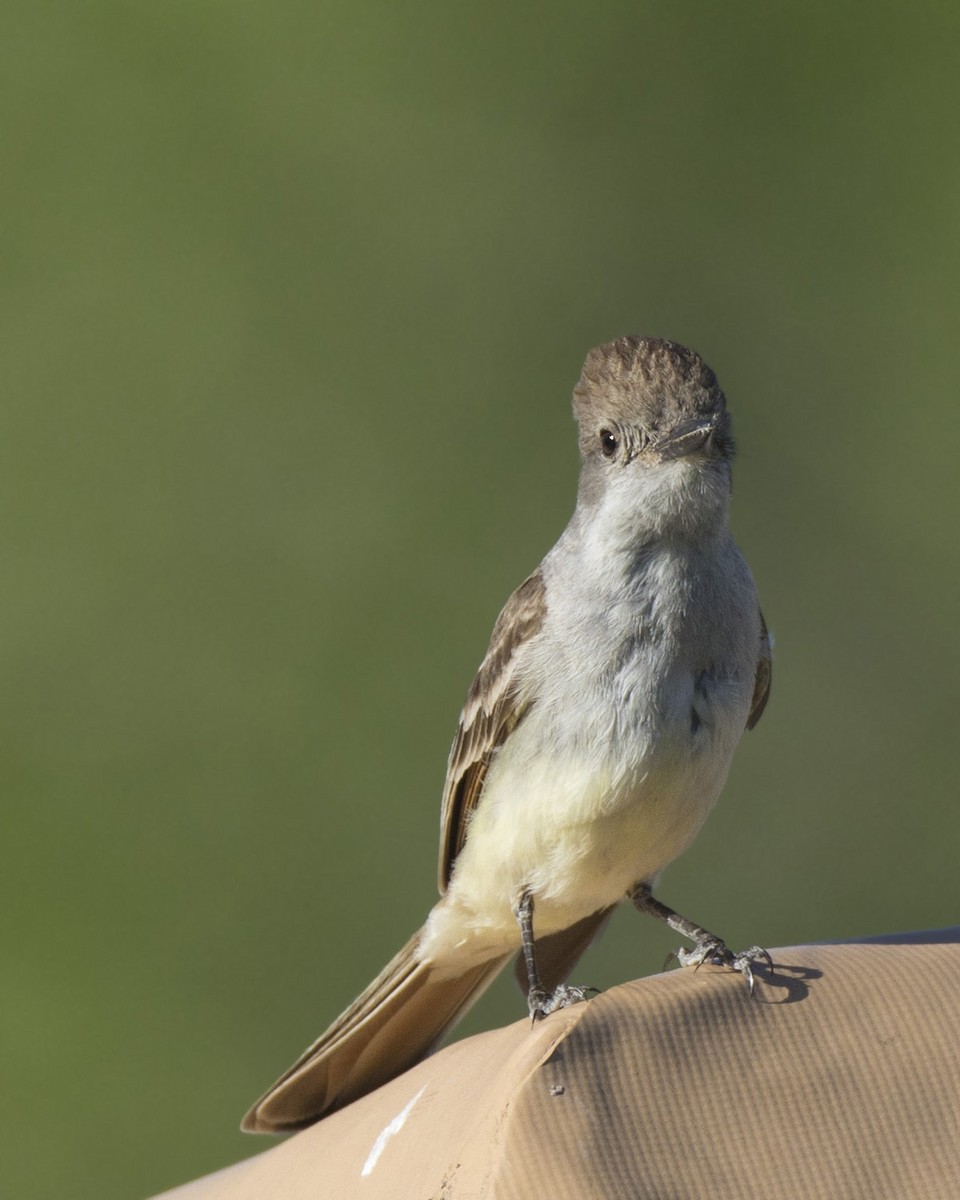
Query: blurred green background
293	300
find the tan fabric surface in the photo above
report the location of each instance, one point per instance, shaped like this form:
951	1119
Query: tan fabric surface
841	1078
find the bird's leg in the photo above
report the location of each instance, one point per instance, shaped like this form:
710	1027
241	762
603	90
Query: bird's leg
707	946
541	1001
537	996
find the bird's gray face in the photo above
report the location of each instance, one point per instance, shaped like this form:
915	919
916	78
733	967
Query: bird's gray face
654	436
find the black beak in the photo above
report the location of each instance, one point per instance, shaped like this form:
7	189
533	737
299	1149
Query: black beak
687	437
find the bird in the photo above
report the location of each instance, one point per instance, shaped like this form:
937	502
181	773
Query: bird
595	738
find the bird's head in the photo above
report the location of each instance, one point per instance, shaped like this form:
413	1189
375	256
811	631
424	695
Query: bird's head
655	438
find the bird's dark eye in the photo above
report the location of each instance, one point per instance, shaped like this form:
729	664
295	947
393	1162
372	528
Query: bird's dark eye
608	443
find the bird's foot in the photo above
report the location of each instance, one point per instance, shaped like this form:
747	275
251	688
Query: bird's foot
714	950
542	1002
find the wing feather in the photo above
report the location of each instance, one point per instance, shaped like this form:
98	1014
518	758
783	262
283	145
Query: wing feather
761	687
493	710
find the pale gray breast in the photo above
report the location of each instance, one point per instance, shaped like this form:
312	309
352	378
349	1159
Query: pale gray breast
665	648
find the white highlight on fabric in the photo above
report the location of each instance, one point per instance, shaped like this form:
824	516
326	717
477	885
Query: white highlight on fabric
389	1130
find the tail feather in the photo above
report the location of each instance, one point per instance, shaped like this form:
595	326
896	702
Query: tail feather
391	1025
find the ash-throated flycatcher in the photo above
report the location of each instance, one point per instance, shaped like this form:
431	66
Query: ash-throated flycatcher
596	736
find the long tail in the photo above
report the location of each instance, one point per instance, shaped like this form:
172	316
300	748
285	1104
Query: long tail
393	1024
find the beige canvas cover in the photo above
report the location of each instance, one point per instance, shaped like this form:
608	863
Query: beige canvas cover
839	1078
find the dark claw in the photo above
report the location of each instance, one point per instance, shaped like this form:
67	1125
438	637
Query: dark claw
541	1003
716	952
538	1004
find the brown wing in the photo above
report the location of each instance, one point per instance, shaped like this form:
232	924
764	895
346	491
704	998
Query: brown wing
492	711
761	687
